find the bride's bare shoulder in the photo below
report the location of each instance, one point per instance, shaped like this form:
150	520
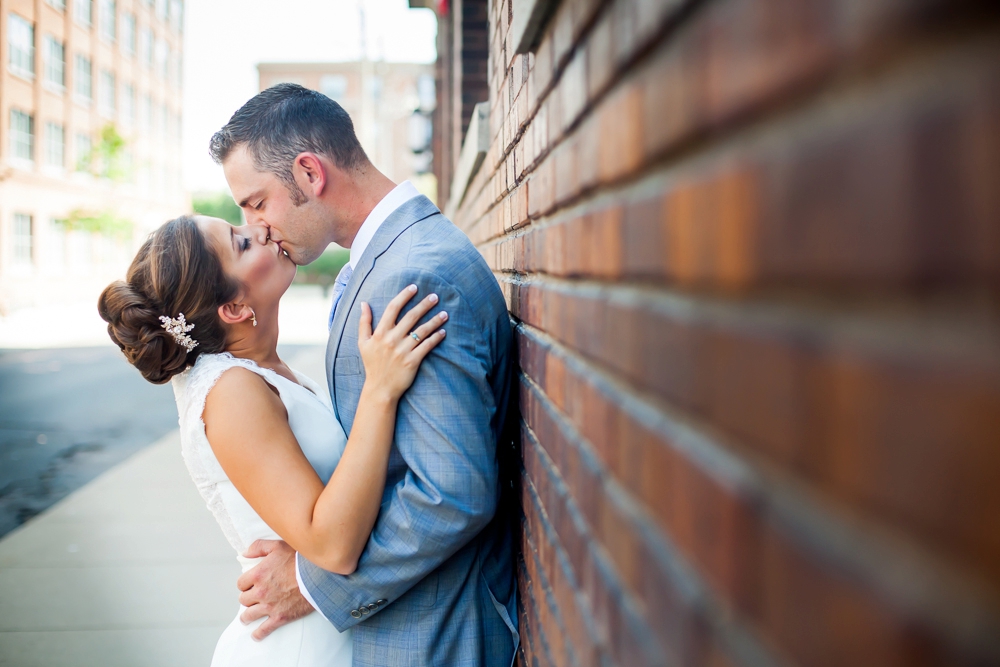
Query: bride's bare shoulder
239	390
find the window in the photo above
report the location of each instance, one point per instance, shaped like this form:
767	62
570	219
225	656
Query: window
154	118
55	62
162	53
56	245
108	19
145	114
178	69
22	136
57	4
333	86
146	47
21	37
55	145
107	93
128	34
128	104
83	152
162	9
22	238
164	119
177	15
83	12
84	79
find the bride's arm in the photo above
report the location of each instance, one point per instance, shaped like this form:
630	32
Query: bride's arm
247	427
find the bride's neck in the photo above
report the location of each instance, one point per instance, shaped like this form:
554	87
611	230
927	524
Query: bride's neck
258	344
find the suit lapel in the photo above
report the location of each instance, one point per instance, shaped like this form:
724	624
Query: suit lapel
404	217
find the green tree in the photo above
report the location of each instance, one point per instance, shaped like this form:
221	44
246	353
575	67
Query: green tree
102	222
107	158
324	269
217	205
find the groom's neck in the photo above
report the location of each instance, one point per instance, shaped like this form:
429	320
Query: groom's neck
362	193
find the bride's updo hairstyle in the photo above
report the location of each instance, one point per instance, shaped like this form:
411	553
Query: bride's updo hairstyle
174	272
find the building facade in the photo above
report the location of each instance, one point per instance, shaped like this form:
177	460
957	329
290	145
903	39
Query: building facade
389	103
90	157
752	252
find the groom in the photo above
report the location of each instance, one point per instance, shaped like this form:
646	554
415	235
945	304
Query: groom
435	584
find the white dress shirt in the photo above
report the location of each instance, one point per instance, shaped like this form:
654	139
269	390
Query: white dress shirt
399	195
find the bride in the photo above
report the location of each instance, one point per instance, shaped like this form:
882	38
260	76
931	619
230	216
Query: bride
199	307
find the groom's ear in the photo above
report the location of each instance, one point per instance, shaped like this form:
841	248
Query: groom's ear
234	313
310	173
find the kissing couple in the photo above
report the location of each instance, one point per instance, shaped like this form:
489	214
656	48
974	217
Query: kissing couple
371	530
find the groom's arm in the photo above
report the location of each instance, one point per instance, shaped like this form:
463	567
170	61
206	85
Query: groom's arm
444	432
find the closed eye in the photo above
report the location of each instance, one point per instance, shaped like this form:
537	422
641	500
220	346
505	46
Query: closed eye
245	243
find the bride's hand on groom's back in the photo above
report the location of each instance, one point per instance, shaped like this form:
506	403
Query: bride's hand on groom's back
393	351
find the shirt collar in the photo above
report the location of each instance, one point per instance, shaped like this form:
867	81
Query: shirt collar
399	195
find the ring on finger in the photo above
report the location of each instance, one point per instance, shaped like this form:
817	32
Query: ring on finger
415	336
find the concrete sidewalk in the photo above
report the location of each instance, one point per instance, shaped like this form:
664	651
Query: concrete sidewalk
129	571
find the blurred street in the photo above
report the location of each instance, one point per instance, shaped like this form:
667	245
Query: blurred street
66	415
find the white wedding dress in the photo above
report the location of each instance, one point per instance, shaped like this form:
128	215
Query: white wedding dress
311	641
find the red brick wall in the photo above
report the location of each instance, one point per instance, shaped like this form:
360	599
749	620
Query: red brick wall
753	250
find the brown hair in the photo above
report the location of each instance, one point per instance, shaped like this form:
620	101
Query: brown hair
175	271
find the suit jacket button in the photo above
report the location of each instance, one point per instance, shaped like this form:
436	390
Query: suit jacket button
381	602
373	606
364	610
355	613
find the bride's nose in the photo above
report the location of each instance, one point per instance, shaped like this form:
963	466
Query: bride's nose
259	233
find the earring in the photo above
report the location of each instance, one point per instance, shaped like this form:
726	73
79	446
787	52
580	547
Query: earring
254	316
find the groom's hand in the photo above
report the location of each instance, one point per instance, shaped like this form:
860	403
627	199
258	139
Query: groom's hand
270	589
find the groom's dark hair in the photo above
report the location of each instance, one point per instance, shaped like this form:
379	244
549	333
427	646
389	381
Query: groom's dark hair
287	119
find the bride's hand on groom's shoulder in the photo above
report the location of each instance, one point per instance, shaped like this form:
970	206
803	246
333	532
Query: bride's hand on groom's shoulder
392	353
270	588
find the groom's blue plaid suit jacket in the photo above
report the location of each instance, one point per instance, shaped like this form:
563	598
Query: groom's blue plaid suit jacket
435	584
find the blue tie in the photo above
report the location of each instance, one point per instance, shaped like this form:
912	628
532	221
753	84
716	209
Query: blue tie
338	290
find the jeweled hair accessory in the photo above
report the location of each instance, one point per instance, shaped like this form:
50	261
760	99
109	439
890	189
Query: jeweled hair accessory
179	329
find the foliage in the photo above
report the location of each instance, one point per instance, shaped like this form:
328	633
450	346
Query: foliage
217	205
103	222
107	158
324	269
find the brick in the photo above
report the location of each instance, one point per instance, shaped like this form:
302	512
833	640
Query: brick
629	640
620	134
586	647
544	67
561	29
600	64
763	572
691	363
565	166
573	90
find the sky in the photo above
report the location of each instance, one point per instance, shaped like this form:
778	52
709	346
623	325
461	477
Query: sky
225	39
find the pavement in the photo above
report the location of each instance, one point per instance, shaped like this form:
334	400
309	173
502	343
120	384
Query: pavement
130	570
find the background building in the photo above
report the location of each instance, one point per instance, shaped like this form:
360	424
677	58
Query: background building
752	248
390	104
90	160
